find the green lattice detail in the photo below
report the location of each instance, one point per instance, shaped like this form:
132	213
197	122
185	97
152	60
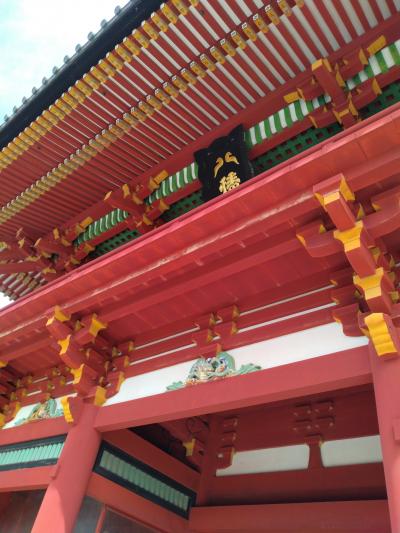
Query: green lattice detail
30	454
390	95
294	146
183	206
115	242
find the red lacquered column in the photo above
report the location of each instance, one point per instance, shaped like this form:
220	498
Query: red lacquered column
64	495
386	376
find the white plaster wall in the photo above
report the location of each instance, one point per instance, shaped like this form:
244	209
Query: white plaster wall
299	346
356	451
281	459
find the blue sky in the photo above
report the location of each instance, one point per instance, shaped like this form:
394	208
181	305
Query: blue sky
35	35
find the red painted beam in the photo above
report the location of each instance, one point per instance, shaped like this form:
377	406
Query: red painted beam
23	266
135	506
337	483
24	348
336	371
353	412
226	266
34	430
26	478
364	516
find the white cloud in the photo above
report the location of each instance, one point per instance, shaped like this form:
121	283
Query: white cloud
35	35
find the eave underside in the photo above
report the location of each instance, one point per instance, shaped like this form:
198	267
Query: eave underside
85	145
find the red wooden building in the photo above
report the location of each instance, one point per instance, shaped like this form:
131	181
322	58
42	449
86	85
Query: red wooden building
170	364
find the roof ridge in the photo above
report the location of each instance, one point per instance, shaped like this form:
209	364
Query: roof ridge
111	32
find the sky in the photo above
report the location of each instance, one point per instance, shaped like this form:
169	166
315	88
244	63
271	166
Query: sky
35	35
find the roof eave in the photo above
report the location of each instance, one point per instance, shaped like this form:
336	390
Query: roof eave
129	18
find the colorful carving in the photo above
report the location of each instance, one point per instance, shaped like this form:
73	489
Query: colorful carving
41	411
212	369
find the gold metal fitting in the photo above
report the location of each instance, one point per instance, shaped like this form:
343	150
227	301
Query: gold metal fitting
37	128
100	138
197	69
188	76
106	67
130	119
70	100
123	125
137	113
180	6
167	11
144	106
100	76
115	130
217	55
73	91
178	82
210	65
25	138
141	39
123	52
96	145
84	88
131	46
170	89
153	101
159	22
163	96
272	15
82	155
115	61
89	150
226	45
238	39
284	7
250	33
150	30
92	81
59	113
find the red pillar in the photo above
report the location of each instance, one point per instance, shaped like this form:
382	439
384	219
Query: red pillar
386	376
64	495
210	459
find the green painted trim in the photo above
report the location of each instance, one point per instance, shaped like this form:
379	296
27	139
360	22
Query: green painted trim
123	469
379	63
30	454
